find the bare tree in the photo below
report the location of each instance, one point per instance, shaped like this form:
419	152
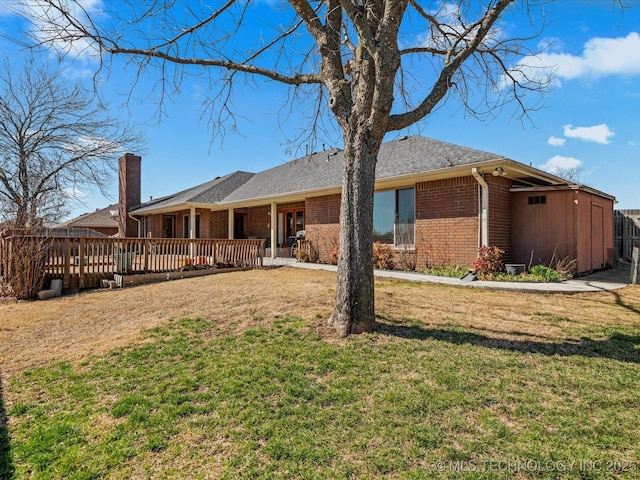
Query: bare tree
378	65
55	140
571	175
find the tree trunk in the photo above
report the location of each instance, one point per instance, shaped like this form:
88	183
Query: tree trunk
354	310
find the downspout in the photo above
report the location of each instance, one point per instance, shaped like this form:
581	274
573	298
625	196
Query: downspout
137	221
483	208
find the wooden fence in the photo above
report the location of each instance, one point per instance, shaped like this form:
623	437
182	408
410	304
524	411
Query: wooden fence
83	262
626	232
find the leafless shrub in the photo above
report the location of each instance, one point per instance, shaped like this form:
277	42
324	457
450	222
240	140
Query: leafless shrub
26	264
565	266
406	260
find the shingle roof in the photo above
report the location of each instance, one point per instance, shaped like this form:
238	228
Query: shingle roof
324	170
98	219
210	192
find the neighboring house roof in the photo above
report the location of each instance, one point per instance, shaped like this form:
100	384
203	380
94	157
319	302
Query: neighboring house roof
102	218
416	157
211	192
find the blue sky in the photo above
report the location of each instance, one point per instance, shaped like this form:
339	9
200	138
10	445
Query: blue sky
590	120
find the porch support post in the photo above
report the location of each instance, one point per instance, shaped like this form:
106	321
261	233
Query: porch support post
274	229
192	222
192	230
230	222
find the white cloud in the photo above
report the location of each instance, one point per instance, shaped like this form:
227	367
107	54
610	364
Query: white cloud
451	20
74	193
597	133
49	24
554	164
556	142
600	57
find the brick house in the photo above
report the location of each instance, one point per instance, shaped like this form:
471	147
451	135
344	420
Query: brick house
433	200
102	221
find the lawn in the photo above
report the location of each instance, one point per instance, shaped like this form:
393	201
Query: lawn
236	376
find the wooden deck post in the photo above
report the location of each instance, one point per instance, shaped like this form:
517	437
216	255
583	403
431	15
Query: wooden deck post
81	258
66	253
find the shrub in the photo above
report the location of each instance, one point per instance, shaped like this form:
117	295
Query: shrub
27	260
545	273
406	261
383	256
489	260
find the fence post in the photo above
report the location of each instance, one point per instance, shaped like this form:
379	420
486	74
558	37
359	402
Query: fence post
634	266
67	262
81	255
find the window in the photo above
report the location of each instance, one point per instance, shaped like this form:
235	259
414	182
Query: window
186	226
294	222
538	199
394	216
168	226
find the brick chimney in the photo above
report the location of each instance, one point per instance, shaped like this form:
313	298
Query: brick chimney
128	193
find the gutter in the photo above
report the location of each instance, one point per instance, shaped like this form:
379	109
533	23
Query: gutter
483	208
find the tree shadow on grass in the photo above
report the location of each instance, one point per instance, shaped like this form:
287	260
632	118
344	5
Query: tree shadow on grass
620	301
6	465
625	348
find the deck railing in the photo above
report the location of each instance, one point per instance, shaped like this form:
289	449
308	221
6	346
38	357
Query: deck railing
91	258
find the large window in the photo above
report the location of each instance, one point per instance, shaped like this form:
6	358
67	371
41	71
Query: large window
394	216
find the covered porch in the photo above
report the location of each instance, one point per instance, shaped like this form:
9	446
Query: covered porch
198	222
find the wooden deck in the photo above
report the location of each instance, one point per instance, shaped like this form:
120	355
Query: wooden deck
84	262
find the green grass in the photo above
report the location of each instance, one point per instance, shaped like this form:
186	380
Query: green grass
280	402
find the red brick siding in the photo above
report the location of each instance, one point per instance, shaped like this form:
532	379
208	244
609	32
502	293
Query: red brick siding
324	239
219	224
128	193
205	219
446	222
259	221
322	210
500	214
154	226
322	218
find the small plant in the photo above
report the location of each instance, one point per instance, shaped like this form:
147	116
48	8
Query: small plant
383	256
302	255
489	260
546	274
306	252
447	271
333	259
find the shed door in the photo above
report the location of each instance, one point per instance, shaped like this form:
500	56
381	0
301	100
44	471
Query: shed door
597	236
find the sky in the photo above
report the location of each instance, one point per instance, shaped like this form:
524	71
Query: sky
590	119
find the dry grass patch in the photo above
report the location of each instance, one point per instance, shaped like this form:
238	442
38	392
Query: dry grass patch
72	327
